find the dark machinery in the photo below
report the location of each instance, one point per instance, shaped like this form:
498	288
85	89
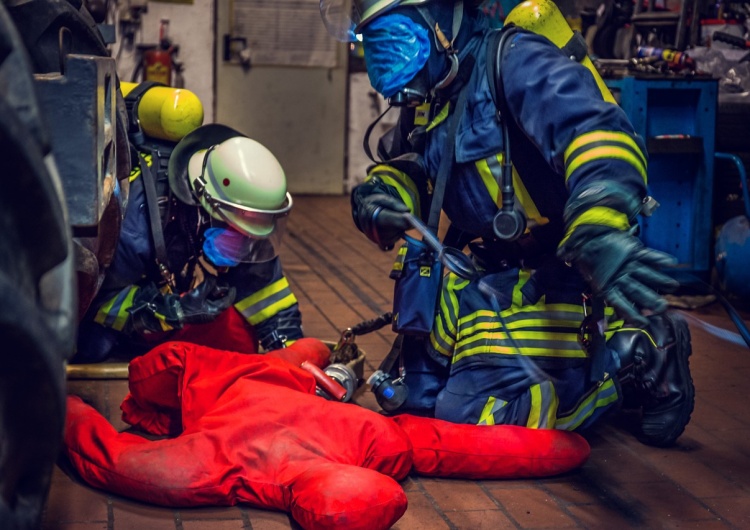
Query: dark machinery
64	143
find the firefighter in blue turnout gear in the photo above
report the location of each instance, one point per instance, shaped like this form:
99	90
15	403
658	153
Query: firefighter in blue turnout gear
566	320
198	257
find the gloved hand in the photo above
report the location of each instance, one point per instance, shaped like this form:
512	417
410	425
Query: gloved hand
621	270
379	217
154	311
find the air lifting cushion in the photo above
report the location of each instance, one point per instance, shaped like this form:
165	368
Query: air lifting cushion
450	450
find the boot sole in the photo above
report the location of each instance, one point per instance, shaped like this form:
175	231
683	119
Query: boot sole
684	350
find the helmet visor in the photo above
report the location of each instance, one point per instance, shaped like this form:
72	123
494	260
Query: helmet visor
227	247
253	222
339	19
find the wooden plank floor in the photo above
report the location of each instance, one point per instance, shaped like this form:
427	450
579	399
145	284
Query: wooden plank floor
340	280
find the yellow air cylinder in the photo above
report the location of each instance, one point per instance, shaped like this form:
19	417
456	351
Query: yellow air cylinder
167	113
544	18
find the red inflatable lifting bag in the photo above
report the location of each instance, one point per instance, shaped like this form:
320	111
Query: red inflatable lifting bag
443	449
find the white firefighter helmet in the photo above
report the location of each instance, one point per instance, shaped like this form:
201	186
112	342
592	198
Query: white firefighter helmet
235	179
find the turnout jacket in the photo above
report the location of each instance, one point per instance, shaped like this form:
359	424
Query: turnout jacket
564	138
264	298
566	142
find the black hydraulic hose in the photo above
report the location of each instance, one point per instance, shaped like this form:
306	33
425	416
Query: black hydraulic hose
368	326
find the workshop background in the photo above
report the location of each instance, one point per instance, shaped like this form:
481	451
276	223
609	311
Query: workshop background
680	69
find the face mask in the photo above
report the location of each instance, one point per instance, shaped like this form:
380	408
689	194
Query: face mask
396	48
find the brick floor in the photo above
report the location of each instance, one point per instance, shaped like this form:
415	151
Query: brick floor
340	279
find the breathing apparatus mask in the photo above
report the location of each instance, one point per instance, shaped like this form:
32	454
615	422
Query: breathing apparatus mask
396	49
396	46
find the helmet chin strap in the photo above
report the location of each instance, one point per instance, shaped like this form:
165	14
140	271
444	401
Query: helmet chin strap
442	41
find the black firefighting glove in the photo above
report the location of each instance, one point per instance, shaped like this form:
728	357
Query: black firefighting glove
624	272
611	258
155	311
379	216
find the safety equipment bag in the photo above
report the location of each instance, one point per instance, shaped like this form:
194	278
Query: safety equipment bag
418	273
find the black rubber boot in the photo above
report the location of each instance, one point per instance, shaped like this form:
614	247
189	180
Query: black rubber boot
655	376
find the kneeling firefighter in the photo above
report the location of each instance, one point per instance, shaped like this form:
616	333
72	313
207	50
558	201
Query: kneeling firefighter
516	343
198	255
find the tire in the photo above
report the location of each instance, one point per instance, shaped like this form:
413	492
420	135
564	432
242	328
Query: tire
38	289
37	300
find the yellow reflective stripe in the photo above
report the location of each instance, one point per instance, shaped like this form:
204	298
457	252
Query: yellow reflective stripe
441	343
603	136
522	351
532	212
489	180
544	402
489	341
519	335
606	151
487	417
604	395
267	302
443	340
482	333
531	315
442	115
136	170
517	297
449	302
114	313
613	326
162	322
401	182
536	407
576	154
600	216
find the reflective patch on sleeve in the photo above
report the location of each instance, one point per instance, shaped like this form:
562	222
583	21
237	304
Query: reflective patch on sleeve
598	145
114	313
269	301
598	216
401	182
